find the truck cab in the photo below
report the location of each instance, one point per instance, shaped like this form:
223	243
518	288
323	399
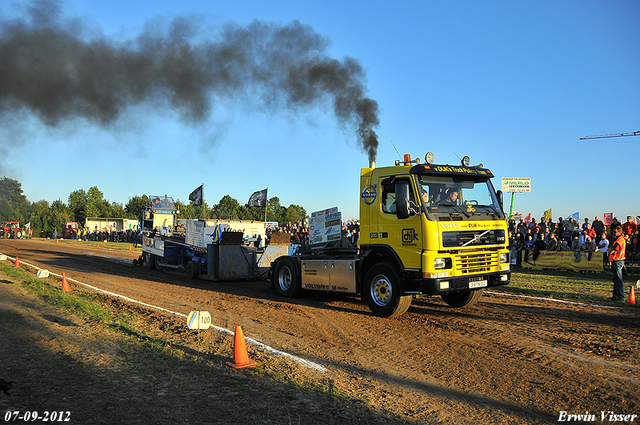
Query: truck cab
438	229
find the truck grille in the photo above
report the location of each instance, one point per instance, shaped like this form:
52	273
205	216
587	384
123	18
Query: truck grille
476	262
472	238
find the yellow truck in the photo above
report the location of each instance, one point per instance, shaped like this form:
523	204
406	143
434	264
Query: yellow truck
425	229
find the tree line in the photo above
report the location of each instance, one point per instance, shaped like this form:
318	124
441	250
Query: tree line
81	204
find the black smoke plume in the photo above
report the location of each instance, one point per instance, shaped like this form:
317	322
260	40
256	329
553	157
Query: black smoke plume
60	70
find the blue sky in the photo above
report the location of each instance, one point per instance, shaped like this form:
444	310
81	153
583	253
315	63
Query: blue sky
514	85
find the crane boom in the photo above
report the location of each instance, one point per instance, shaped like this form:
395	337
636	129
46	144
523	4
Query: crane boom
606	136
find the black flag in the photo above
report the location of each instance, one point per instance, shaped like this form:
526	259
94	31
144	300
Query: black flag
258	199
197	196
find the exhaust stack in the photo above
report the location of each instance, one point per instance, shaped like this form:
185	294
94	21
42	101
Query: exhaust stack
372	164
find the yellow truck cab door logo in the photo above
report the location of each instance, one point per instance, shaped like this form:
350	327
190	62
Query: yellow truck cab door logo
369	194
409	236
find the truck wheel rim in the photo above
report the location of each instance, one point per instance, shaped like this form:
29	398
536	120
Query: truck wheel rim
381	290
284	278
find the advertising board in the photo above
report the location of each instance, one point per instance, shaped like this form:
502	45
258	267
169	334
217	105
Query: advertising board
516	184
325	226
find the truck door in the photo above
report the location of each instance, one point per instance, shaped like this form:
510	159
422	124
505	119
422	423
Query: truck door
404	235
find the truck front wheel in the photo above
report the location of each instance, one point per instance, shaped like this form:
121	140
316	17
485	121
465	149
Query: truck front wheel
286	278
382	291
462	298
148	260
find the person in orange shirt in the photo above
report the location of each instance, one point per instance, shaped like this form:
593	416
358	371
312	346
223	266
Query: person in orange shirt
617	256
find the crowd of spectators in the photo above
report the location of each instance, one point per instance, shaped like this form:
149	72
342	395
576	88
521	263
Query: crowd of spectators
107	235
351	231
300	233
527	240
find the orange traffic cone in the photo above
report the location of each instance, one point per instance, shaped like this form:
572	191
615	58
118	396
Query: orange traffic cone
129	247
56	240
74	242
240	355
65	284
632	297
17	263
98	244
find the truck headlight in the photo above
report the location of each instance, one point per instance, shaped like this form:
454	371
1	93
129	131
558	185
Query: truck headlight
504	257
442	263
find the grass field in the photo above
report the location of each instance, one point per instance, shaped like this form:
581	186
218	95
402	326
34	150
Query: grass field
593	287
124	246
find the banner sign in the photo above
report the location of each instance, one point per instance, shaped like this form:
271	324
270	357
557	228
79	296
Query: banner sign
153	245
608	219
194	235
451	170
516	184
325	226
565	260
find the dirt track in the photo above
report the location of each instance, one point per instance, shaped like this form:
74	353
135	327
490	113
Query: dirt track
506	360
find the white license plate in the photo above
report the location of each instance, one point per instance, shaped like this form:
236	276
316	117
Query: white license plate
477	284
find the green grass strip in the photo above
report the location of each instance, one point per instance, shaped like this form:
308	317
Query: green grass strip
592	287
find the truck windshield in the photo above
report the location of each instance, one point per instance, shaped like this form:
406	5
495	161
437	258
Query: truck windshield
459	196
162	204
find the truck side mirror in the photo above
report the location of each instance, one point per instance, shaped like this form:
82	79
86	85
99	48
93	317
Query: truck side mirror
402	200
500	196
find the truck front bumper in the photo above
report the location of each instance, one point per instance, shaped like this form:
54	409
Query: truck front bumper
430	286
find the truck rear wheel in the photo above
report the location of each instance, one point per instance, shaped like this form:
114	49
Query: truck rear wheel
382	291
462	298
286	278
192	269
156	262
